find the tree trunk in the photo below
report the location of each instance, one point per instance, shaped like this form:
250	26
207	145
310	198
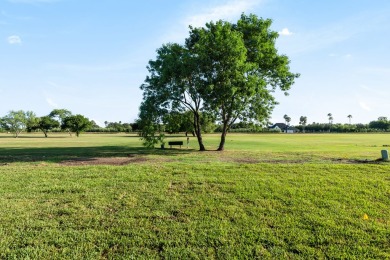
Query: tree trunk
45	132
198	131
223	137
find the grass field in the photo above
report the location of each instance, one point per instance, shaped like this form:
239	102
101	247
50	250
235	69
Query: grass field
267	196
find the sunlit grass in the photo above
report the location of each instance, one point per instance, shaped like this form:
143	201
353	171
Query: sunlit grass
266	196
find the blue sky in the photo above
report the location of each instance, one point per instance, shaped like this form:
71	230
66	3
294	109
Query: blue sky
90	56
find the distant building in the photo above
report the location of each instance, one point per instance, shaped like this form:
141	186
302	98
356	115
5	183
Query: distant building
284	128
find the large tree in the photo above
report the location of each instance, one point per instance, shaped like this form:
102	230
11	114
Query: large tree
174	85
227	70
241	69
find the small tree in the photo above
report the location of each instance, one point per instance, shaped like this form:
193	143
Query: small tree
76	123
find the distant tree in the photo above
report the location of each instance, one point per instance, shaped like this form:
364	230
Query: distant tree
349	117
330	118
94	125
176	122
17	121
134	126
303	122
287	120
381	124
126	127
118	126
45	124
76	123
60	115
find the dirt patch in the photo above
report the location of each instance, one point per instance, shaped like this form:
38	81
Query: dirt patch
361	161
104	161
245	160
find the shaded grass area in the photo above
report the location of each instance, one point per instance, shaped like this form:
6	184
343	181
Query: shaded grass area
61	147
184	210
12	155
249	148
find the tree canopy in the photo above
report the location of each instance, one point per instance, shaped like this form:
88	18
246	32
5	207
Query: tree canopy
227	70
45	124
17	121
76	123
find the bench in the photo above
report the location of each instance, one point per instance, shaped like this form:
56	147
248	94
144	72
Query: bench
175	143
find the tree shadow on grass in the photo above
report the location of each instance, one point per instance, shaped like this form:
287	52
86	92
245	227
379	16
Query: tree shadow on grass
59	154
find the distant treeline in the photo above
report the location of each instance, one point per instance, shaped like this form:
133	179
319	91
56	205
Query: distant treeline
374	126
380	125
60	120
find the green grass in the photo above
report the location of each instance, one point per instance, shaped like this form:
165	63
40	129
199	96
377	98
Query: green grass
267	196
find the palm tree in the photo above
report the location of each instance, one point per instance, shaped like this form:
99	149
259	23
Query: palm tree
287	119
330	118
349	117
303	121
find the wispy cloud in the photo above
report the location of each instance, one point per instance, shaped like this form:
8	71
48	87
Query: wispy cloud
33	1
285	32
225	11
383	71
308	40
14	40
344	56
364	106
347	56
228	11
14	17
51	103
92	68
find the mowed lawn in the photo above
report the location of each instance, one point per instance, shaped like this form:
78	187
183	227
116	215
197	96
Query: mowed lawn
268	196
